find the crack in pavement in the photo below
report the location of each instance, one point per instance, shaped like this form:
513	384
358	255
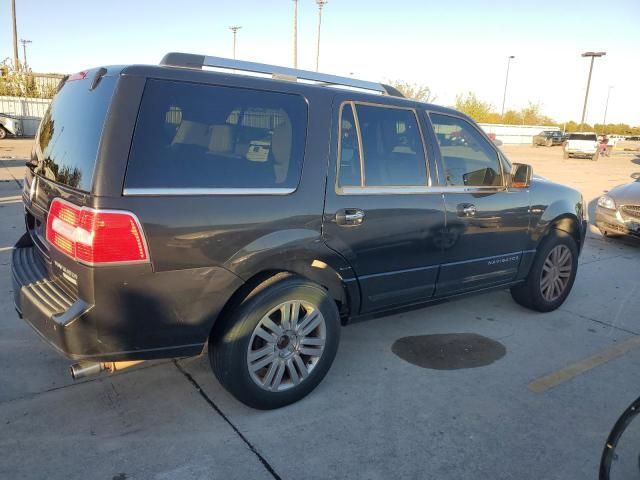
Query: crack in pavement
584	317
207	399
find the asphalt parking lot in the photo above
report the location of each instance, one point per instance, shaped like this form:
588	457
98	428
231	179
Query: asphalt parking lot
522	413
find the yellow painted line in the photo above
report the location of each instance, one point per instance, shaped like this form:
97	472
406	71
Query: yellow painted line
569	372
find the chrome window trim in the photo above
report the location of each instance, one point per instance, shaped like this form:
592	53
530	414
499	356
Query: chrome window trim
400	190
147	192
372	189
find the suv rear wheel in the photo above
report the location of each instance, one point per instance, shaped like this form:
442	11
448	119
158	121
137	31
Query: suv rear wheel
552	274
277	344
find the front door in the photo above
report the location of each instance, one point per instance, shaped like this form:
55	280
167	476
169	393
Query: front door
487	220
381	213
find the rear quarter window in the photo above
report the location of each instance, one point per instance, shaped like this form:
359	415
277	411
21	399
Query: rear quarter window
201	136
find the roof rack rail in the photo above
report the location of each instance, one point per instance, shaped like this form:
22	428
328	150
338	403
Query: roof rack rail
190	60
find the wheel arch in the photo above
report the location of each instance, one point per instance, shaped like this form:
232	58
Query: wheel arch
344	292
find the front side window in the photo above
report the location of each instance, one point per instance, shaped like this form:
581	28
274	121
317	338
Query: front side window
202	136
468	158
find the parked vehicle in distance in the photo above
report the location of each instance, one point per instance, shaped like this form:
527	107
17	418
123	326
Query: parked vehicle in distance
618	211
9	126
614	139
583	144
548	138
157	228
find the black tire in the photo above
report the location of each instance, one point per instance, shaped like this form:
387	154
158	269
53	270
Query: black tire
529	293
230	341
3	133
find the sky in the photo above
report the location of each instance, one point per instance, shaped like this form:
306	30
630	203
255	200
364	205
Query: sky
451	46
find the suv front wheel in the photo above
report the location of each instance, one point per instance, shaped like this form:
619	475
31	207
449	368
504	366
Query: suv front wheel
277	344
552	274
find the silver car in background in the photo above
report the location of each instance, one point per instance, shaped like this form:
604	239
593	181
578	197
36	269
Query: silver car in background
618	211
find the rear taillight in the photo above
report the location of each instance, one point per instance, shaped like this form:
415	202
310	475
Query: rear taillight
95	236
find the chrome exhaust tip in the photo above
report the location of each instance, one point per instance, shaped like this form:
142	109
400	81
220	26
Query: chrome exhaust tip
89	369
85	369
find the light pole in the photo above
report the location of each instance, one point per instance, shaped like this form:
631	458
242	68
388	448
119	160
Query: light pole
606	107
506	81
234	29
593	55
24	51
16	60
321	4
295	33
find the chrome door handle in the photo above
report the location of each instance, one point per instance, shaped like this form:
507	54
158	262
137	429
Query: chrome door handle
466	210
349	217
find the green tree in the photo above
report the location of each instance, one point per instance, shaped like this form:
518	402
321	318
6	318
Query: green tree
414	91
477	109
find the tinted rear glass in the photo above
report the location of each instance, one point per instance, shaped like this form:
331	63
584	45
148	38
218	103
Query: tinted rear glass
580	136
69	134
201	136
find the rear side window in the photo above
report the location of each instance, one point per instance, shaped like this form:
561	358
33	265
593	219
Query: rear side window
201	136
392	149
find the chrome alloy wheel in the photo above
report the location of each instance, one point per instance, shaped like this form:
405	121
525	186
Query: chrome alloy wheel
286	345
556	273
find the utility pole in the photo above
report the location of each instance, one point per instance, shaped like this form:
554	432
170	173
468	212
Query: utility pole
234	29
24	42
606	107
16	60
295	33
593	55
321	4
506	81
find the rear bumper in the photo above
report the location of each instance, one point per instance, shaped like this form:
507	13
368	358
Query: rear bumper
612	221
137	314
49	309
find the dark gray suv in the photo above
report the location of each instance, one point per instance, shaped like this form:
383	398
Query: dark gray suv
171	209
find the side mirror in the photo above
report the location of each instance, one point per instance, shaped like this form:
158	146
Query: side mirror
521	174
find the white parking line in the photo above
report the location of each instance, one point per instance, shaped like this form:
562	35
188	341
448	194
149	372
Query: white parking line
6	249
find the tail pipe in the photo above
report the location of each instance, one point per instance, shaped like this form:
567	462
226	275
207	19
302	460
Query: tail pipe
89	369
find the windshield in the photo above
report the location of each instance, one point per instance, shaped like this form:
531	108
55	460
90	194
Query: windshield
69	135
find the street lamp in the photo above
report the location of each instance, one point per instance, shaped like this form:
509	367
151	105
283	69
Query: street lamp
593	55
606	106
321	4
234	29
295	33
506	81
24	51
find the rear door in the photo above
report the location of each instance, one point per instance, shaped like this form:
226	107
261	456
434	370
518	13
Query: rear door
487	221
381	212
